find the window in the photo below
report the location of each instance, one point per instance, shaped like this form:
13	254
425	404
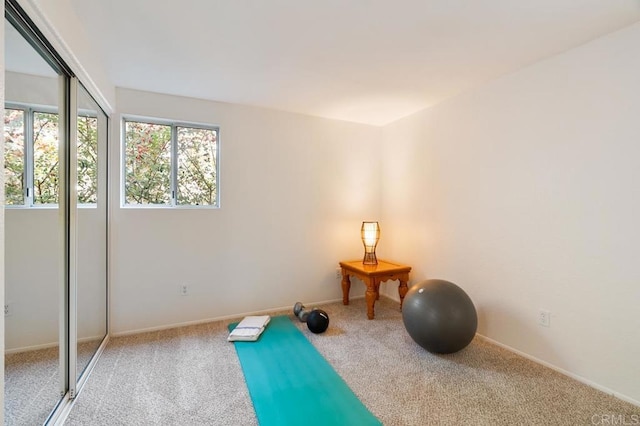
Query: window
14	152
31	157
45	158
87	159
170	164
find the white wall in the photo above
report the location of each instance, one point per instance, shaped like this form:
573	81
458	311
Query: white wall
31	89
525	193
32	277
61	26
294	190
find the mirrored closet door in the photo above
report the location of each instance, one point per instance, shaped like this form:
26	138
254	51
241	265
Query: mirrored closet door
55	170
34	241
91	279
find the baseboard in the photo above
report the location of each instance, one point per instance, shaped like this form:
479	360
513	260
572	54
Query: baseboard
220	318
31	348
48	345
90	339
562	371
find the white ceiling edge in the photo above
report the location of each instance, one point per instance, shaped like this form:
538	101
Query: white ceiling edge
366	61
42	22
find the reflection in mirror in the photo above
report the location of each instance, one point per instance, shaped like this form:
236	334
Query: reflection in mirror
34	247
91	228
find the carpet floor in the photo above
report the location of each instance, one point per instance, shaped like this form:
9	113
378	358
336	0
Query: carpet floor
32	383
192	376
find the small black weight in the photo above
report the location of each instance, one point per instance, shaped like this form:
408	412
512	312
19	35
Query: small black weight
317	321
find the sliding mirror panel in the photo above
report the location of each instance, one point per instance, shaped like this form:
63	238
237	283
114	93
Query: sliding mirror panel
35	223
91	228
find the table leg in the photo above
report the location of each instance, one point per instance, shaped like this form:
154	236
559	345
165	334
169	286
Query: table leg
402	291
346	286
370	295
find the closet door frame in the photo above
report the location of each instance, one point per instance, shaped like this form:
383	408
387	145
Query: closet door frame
72	194
69	383
27	28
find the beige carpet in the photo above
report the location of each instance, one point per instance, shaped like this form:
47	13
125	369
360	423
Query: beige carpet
31	386
32	383
191	376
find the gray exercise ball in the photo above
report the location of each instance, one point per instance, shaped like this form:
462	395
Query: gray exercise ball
439	316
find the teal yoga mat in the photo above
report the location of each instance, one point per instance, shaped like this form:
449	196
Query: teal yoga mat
290	383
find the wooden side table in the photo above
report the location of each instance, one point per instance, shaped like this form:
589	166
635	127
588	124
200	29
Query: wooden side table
372	276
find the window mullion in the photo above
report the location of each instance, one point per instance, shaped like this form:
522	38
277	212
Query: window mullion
29	158
123	161
174	165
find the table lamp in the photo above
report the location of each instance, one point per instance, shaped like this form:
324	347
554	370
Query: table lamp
370	233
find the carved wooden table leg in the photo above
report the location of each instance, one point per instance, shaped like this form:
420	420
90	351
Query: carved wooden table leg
402	291
370	295
346	286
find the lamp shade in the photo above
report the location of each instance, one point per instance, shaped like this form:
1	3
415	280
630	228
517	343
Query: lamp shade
370	233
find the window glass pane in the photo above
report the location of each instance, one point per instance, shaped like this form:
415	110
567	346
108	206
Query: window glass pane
147	163
87	160
14	156
45	158
197	159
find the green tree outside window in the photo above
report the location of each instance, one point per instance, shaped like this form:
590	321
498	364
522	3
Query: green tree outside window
148	163
153	176
197	159
14	156
87	160
44	157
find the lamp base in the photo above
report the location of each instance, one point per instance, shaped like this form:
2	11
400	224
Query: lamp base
370	259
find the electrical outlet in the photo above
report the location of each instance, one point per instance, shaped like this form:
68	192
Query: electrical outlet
7	309
338	273
184	290
544	318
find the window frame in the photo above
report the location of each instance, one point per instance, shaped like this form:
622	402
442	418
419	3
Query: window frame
173	177
29	155
27	174
28	160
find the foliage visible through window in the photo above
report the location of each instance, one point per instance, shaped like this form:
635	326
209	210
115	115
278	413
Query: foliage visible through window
14	156
43	158
148	163
196	166
153	176
87	160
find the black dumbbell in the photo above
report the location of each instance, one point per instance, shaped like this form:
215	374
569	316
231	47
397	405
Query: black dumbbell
300	311
317	320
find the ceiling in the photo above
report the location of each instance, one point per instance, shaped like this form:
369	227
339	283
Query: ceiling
368	61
